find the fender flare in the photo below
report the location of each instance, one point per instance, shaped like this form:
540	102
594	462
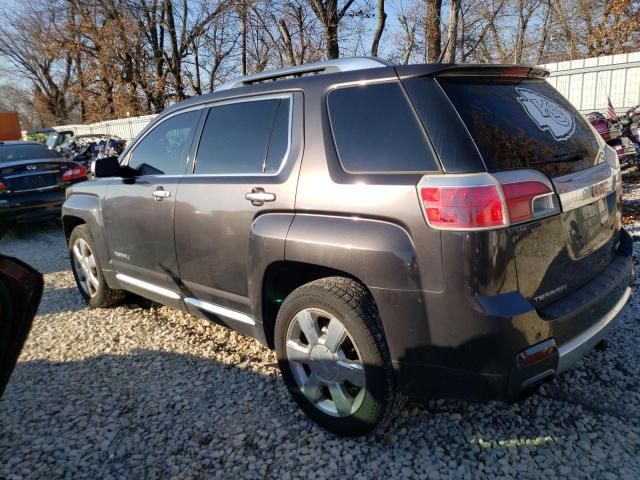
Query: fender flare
85	208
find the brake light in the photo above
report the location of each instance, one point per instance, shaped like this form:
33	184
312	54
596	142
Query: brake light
74	173
521	198
483	201
473	207
3	187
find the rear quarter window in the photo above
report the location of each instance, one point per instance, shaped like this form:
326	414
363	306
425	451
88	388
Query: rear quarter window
376	131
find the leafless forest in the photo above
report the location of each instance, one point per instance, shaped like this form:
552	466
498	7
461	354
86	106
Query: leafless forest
64	61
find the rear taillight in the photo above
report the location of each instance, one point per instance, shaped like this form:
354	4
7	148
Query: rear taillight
483	201
526	199
450	207
3	187
74	173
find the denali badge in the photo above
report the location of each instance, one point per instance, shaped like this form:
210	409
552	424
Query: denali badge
122	255
547	114
550	293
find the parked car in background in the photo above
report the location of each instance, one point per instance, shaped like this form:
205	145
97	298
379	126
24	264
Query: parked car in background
86	148
57	138
620	134
429	230
33	180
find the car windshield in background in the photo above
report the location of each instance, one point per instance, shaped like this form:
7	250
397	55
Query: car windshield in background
523	124
51	139
16	152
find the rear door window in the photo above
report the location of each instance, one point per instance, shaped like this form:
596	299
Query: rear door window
376	131
523	124
244	138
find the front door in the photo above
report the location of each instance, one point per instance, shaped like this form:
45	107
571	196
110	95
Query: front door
139	211
245	168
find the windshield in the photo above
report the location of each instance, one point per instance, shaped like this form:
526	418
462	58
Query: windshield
28	151
523	124
51	139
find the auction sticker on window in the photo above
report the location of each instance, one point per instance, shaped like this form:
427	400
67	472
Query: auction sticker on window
547	114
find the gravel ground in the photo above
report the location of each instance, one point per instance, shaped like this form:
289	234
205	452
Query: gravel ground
137	392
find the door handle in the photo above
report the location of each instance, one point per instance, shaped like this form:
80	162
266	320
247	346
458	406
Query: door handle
161	193
257	196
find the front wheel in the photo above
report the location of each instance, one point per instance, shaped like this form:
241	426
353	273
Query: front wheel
88	272
334	358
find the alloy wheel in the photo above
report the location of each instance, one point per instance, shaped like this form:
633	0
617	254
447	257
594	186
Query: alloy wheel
325	362
86	268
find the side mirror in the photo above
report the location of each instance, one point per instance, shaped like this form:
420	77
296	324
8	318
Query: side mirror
20	293
106	167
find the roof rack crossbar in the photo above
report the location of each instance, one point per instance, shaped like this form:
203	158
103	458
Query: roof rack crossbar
329	66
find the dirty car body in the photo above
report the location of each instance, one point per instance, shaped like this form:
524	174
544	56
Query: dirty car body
473	203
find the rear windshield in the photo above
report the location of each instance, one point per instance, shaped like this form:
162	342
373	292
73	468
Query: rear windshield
13	153
523	124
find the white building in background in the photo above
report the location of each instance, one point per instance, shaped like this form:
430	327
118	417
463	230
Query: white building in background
587	83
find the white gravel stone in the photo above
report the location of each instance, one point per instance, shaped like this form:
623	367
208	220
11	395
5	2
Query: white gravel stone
135	392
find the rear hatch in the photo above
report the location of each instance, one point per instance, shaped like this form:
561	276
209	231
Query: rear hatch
525	124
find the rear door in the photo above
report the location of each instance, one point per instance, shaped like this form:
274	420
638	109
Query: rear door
245	167
525	124
139	212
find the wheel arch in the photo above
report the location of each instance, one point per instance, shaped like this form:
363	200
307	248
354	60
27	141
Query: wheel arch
85	209
283	277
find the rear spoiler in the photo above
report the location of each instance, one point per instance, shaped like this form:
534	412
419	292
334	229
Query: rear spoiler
470	70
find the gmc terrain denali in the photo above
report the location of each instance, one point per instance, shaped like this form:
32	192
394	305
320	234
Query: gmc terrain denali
432	230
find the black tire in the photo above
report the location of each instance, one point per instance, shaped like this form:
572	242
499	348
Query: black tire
350	303
102	296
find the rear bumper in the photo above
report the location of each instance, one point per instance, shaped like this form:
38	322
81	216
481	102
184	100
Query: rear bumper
573	350
475	353
31	206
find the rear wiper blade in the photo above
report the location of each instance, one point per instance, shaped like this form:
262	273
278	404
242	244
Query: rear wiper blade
570	156
574	156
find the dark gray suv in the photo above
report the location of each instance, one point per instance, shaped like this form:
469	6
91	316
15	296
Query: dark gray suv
430	230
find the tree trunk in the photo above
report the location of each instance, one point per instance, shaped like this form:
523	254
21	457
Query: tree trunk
433	36
382	18
452	32
243	45
331	37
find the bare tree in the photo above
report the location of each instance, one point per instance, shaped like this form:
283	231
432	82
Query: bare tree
432	32
382	18
330	14
452	32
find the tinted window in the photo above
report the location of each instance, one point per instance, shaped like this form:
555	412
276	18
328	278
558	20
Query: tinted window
523	124
236	138
163	151
375	130
279	138
27	151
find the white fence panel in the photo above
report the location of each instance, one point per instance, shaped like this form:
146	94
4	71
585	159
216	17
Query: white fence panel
125	128
588	83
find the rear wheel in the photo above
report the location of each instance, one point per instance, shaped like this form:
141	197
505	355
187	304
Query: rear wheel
88	272
334	358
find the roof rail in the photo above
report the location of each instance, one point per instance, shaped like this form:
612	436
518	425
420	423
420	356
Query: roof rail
329	66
